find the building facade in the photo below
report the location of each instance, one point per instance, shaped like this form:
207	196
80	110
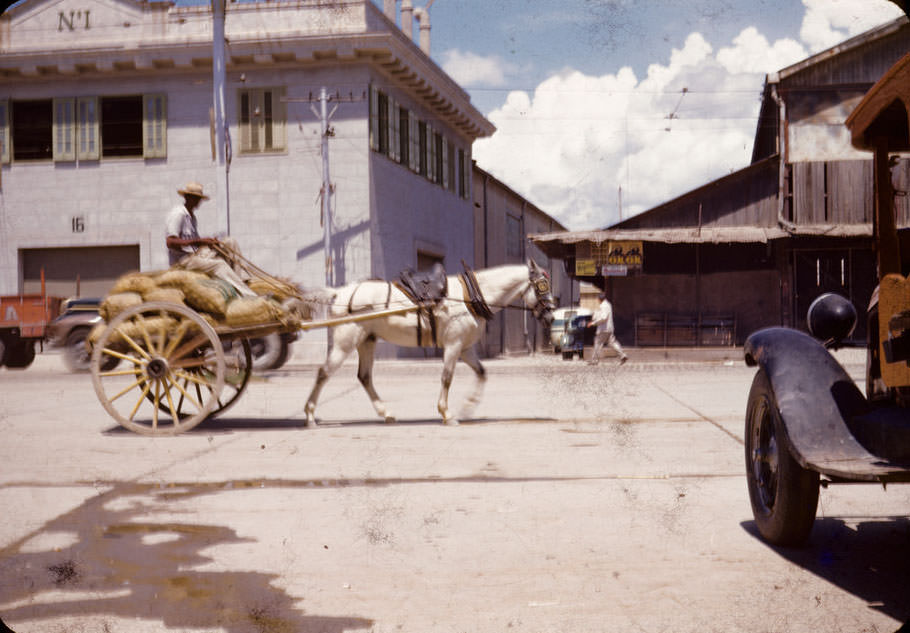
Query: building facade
106	109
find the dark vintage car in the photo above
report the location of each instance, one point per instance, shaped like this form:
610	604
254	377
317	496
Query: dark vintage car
576	336
78	316
808	424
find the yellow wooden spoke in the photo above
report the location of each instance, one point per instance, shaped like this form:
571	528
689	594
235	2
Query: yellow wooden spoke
145	392
156	402
135	371
138	382
115	353
188	396
145	334
134	345
191	345
194	378
170	401
176	338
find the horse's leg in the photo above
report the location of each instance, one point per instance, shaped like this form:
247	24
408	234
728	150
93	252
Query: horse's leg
449	358
470	358
342	346
365	353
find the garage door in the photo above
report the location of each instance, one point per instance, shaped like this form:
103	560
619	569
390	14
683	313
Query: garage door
87	272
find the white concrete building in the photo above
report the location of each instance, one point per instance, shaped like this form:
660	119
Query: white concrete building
106	109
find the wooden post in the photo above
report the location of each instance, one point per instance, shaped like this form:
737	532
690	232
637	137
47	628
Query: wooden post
884	228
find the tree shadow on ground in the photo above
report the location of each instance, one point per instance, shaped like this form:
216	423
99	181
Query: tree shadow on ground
112	564
869	559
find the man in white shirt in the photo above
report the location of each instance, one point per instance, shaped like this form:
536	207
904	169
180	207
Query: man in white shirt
603	320
187	250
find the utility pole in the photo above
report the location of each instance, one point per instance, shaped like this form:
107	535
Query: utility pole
222	200
327	188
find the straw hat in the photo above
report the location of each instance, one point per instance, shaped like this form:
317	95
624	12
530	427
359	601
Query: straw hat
193	189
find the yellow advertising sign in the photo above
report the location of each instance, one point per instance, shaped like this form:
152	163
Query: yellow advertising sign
625	253
585	268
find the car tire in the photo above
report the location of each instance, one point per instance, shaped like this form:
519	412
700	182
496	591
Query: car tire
783	494
269	352
77	357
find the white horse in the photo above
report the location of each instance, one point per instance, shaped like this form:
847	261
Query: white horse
459	322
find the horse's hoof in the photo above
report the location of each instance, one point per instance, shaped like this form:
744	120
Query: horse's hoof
310	423
451	421
391	419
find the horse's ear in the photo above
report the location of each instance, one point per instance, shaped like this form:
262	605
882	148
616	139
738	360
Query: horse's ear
532	264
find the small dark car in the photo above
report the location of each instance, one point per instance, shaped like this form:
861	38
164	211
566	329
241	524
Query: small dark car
576	336
72	327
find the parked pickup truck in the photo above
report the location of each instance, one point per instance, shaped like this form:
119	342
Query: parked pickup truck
23	323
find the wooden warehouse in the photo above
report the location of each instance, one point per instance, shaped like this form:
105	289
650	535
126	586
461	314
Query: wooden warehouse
756	247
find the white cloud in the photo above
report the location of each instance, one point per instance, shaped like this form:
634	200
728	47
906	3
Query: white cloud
571	144
829	22
472	70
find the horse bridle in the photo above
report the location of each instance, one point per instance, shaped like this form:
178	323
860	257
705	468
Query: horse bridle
541	285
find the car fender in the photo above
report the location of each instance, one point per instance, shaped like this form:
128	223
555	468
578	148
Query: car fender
815	395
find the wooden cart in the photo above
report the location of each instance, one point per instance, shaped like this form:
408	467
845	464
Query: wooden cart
176	367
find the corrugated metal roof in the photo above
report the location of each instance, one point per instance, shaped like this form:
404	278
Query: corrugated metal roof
704	235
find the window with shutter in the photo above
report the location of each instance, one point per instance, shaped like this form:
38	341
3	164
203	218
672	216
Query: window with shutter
154	126
262	120
87	147
64	129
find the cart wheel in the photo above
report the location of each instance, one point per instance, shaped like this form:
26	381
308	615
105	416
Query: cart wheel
784	495
173	368
238	367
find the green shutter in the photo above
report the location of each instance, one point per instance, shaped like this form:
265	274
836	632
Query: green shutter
374	119
445	163
431	153
414	138
64	129
279	118
154	126
4	131
87	147
394	125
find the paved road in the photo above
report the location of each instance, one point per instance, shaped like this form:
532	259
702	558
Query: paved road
575	499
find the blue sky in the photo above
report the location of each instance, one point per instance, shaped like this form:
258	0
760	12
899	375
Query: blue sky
597	101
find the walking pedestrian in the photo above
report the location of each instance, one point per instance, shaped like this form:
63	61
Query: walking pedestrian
603	320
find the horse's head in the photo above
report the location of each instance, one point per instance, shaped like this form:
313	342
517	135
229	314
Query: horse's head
538	296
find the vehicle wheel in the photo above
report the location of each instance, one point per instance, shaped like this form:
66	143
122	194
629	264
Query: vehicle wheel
567	355
171	354
784	495
77	357
238	367
269	351
19	354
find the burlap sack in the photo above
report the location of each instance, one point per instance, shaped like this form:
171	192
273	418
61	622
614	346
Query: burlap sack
210	295
252	311
179	278
134	282
171	295
116	303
